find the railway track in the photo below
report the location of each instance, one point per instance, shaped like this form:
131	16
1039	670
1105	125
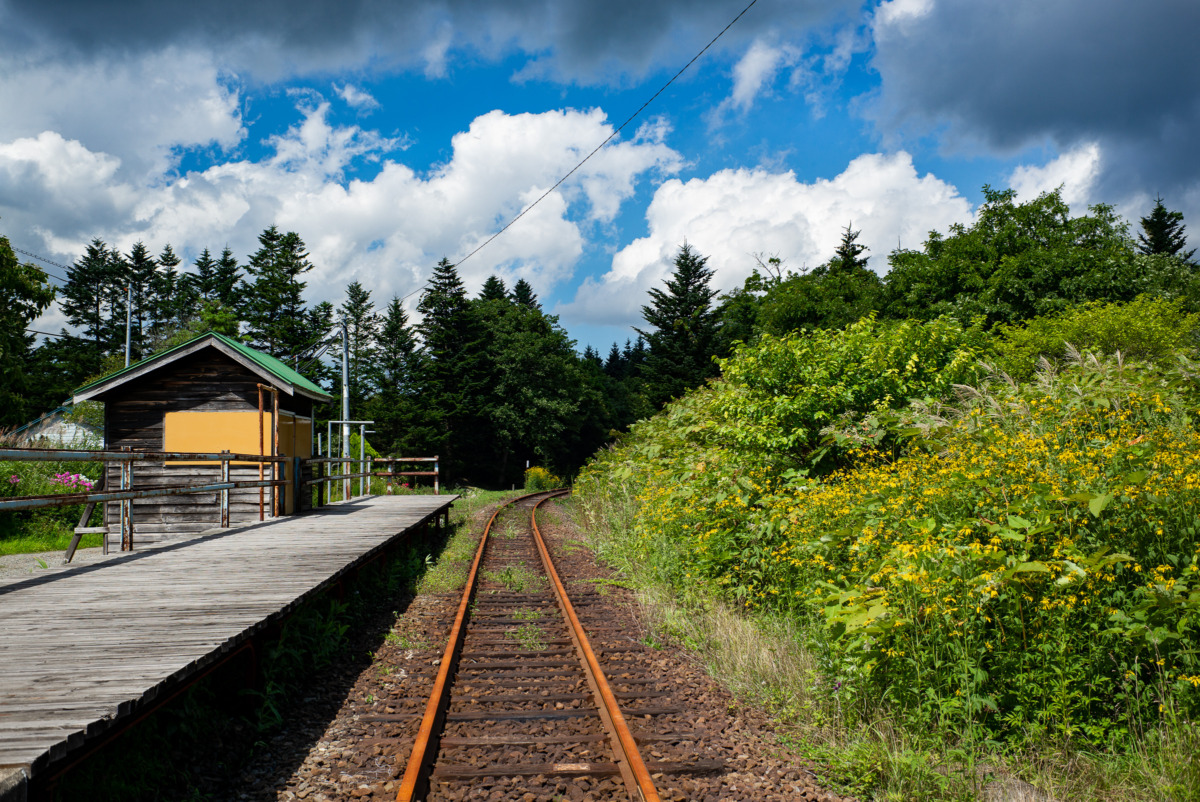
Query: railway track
535	688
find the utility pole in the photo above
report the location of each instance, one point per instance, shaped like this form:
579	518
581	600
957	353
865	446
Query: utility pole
346	404
128	319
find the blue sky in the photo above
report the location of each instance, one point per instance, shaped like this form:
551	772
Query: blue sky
389	135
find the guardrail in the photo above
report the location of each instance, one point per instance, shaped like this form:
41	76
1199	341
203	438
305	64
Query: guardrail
321	468
126	493
364	474
409	461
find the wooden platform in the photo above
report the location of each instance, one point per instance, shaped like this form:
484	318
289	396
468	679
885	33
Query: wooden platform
82	649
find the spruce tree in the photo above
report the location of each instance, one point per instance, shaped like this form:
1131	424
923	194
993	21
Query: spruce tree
522	293
226	278
203	281
848	257
453	372
362	328
493	290
395	407
140	268
1162	233
614	366
683	337
273	303
87	302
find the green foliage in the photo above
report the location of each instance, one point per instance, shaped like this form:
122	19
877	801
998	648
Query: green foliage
49	528
538	479
1015	262
272	300
1025	569
1162	233
1147	329
682	337
780	392
25	292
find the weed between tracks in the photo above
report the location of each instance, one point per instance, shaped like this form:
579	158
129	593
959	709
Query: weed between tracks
529	636
517	578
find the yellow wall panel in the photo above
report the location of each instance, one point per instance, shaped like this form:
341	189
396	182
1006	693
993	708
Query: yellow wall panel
211	432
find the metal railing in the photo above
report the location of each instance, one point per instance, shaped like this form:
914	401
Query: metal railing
126	493
409	461
323	475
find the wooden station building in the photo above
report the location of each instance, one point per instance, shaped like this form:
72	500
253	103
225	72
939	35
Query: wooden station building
204	396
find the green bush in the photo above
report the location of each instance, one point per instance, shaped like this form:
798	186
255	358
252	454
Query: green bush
778	393
49	528
538	479
1146	329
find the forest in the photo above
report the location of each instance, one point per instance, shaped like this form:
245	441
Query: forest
496	369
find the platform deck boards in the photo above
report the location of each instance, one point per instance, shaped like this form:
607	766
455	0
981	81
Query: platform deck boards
83	648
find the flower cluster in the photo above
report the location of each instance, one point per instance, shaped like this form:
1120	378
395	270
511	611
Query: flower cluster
72	481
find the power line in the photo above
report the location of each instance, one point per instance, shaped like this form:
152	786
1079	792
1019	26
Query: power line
47	261
611	136
48	334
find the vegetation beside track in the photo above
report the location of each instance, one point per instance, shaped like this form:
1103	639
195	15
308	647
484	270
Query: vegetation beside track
1000	579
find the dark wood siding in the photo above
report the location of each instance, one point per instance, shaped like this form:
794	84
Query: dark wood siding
207	381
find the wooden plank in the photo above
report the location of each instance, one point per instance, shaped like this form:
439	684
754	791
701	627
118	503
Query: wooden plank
83	647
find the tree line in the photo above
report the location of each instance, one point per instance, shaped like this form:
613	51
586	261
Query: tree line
490	382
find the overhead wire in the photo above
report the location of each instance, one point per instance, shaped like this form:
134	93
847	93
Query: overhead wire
598	148
47	261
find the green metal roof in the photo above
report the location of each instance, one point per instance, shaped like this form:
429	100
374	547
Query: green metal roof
280	371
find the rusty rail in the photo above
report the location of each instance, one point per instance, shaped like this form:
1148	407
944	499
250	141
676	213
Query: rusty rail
624	745
424	748
629	762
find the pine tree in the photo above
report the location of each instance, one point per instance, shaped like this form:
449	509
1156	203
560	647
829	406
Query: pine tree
87	303
683	339
453	373
522	293
140	267
273	304
395	407
848	256
362	328
614	366
493	290
202	282
226	278
1162	232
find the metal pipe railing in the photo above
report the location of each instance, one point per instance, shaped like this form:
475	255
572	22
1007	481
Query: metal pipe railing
126	493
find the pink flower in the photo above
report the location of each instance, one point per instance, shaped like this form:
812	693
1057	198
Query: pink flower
14	479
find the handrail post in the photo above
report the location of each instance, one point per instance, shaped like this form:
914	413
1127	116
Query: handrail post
225	491
126	504
320	472
436	475
297	487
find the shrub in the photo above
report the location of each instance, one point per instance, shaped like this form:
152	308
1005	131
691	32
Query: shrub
1026	567
1145	329
538	479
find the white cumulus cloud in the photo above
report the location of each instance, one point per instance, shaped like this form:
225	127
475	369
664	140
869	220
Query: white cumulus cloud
1075	171
387	231
734	214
